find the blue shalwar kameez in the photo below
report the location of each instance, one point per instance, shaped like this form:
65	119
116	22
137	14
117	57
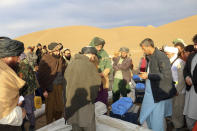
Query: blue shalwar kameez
154	113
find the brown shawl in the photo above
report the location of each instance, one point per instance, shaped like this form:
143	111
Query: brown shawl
49	66
9	89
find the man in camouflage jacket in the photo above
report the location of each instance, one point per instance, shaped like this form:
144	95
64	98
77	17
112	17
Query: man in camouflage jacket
26	73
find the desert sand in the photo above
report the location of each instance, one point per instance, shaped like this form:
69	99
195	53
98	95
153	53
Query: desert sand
76	37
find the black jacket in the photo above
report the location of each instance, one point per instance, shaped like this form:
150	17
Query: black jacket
160	76
39	54
187	72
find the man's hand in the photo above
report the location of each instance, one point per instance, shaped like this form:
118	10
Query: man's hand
143	75
101	75
45	94
188	80
23	113
106	72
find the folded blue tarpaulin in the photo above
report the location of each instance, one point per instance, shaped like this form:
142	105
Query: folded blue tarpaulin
136	78
122	106
140	86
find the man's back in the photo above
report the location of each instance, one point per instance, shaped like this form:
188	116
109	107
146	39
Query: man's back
81	76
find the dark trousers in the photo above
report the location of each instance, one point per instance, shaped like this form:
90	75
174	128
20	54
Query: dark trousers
28	104
120	87
102	95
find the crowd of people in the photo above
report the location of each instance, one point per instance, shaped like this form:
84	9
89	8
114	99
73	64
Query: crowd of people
71	85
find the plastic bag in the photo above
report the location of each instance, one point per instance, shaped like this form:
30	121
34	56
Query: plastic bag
37	102
122	106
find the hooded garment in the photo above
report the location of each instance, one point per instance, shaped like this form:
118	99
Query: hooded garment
104	60
9	89
178	40
83	83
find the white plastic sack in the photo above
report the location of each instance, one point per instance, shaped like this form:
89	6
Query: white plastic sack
106	123
39	112
100	108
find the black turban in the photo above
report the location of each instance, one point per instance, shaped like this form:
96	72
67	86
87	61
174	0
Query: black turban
189	48
9	47
89	50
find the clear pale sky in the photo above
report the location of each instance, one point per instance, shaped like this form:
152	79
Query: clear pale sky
19	17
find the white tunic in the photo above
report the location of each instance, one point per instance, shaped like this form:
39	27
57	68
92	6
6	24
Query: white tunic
190	108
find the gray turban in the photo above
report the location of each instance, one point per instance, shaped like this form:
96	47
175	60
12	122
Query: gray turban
55	46
89	50
124	49
9	47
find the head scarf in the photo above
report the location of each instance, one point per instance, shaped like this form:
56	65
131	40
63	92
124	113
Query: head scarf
97	41
55	46
178	40
9	47
124	49
89	50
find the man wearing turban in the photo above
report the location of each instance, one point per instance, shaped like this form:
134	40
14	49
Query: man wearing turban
51	80
11	115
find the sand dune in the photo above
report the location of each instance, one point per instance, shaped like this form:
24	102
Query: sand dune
75	37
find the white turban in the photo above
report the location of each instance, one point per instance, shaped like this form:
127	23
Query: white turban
169	49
